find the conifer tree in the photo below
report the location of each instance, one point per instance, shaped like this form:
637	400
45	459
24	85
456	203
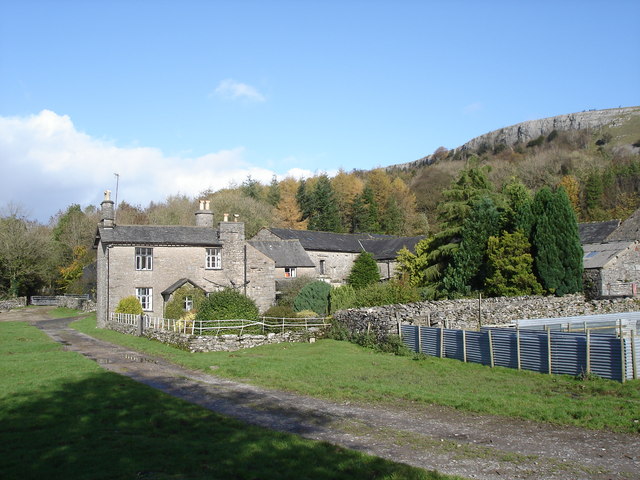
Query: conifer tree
510	266
556	244
364	271
467	269
324	215
365	213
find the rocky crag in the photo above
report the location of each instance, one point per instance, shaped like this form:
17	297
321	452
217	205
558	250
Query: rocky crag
532	129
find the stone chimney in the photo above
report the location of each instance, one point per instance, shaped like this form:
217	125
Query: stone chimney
107	211
204	216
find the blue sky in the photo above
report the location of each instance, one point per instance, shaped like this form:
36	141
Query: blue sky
181	96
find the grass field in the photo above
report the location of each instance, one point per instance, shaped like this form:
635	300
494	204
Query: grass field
345	372
63	417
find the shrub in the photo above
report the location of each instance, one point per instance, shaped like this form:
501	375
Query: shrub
176	307
364	271
388	293
314	296
342	298
536	142
130	305
290	290
227	304
280	311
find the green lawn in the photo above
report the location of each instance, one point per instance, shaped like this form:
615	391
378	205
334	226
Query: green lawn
345	372
62	416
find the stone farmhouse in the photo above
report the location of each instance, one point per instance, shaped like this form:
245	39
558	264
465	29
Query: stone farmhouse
152	262
611	257
330	256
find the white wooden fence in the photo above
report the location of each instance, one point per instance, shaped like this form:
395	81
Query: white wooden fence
220	327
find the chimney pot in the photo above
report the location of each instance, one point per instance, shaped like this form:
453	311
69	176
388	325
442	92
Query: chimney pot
226	217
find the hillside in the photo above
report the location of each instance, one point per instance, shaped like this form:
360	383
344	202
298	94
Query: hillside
625	120
595	154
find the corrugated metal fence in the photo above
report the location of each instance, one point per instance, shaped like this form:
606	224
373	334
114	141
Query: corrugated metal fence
541	351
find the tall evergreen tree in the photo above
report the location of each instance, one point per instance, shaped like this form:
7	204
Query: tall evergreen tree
471	185
324	209
467	269
556	244
273	193
510	266
365	213
518	213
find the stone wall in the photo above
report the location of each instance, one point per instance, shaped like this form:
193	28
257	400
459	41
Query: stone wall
77	303
6	305
470	314
215	343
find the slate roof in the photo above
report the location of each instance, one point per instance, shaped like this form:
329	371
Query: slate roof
597	255
157	235
388	248
383	247
596	232
629	230
285	253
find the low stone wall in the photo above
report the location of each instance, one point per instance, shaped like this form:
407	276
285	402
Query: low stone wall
8	304
215	343
77	304
471	313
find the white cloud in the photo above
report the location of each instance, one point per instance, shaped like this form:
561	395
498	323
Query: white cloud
233	90
47	165
473	107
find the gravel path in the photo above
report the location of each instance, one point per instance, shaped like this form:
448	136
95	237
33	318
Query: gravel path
433	438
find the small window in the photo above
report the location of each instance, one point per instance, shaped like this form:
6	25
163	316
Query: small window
213	259
290	272
145	296
144	258
322	267
188	304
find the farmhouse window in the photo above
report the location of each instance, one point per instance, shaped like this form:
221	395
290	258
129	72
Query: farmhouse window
214	259
145	296
144	258
323	267
290	272
188	304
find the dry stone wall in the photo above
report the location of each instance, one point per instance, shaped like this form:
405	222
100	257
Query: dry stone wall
471	313
215	343
6	305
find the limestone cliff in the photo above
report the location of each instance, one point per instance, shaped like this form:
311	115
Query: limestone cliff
532	129
526	131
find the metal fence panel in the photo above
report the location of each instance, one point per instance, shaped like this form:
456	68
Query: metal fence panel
409	335
478	348
454	344
606	356
544	352
568	353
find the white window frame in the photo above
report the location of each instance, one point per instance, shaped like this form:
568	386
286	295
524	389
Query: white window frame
145	297
188	303
213	258
290	272
144	258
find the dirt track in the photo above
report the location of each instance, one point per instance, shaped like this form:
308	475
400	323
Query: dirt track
434	438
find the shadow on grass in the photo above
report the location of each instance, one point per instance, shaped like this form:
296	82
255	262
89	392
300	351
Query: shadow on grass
108	426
